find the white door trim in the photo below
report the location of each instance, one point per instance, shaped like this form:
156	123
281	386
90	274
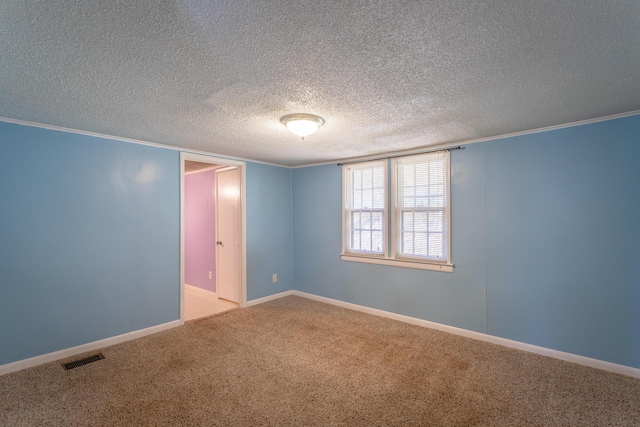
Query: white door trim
184	156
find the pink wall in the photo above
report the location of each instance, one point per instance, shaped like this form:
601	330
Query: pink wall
200	230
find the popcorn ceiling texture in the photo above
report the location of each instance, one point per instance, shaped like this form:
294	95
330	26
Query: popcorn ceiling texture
385	75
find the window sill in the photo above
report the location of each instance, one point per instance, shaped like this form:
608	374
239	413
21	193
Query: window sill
445	268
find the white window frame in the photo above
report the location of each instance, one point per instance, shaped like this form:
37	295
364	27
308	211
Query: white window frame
347	204
396	210
390	234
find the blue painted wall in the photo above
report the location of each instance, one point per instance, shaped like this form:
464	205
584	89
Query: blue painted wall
269	231
546	243
563	253
89	238
454	299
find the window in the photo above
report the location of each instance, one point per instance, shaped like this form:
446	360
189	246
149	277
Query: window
365	212
419	228
420	211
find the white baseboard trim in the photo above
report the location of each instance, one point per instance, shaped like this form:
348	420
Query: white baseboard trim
95	345
556	354
269	298
201	291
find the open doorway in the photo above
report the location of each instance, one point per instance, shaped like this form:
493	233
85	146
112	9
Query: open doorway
212	237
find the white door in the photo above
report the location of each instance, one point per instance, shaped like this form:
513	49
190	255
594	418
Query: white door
228	235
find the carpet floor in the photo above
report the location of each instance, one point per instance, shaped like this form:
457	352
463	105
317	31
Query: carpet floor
297	362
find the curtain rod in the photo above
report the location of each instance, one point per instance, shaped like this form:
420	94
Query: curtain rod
387	156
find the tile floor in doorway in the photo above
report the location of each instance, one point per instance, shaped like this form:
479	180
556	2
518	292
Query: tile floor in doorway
199	303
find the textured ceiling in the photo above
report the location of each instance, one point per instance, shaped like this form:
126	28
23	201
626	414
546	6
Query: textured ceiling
385	75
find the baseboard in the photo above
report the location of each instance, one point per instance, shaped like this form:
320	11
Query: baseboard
68	352
269	298
201	291
556	354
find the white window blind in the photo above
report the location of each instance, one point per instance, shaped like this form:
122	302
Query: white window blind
421	207
365	208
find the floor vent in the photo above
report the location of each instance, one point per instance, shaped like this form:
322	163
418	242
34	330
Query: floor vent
82	362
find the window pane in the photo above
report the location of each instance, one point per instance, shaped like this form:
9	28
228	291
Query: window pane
435	245
366	220
408	176
422	174
420	222
422	202
407	244
407	221
436	202
355	220
436	190
366	193
421	196
376	220
367	198
436	172
436	222
357	199
355	243
357	180
377	241
365	240
378	177
420	244
378	198
367	178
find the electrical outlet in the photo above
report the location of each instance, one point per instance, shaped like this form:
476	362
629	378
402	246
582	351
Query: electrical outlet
274	278
210	275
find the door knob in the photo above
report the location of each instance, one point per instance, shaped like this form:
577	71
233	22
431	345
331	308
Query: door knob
219	242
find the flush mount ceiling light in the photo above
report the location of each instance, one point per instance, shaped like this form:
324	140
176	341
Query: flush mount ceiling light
302	124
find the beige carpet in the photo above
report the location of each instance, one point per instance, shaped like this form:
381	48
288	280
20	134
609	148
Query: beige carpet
299	362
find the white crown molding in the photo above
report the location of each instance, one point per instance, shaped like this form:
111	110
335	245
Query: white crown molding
470	141
133	141
344	160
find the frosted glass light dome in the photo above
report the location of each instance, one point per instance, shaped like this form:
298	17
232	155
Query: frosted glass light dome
302	124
